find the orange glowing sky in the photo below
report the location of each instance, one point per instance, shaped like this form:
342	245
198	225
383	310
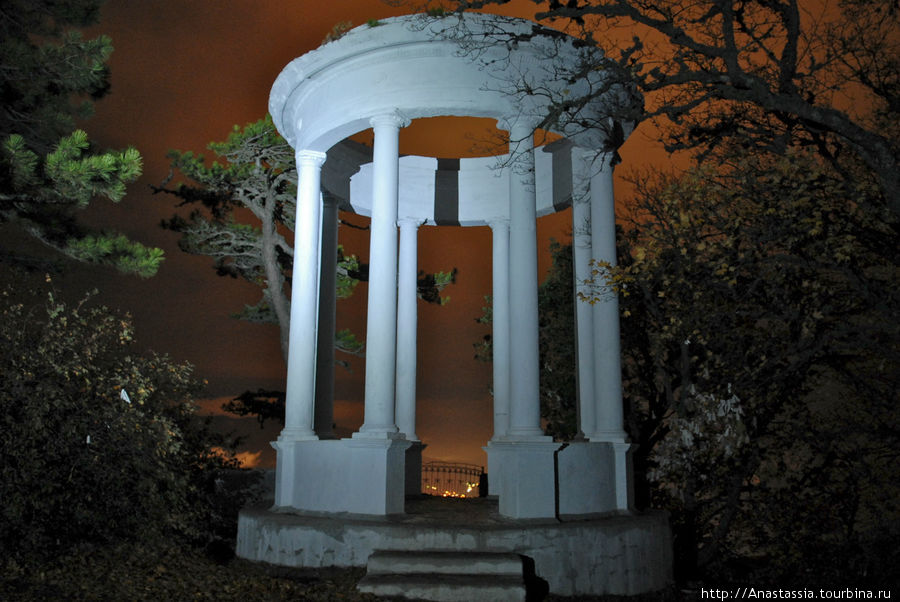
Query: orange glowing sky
183	73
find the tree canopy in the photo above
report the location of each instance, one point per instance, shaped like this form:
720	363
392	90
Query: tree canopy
761	359
758	74
49	170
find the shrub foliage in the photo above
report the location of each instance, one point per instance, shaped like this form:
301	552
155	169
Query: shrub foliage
99	443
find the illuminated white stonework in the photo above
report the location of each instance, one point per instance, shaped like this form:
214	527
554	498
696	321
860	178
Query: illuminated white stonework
383	76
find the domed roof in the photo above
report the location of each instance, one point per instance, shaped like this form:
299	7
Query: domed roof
467	64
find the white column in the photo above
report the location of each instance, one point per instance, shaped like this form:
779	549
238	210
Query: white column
609	419
407	296
581	258
324	414
500	324
381	328
525	406
301	377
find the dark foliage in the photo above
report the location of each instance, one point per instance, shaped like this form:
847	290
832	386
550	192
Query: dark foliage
100	444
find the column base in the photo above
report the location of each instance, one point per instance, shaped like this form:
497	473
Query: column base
289	435
610	436
554	480
588	480
529	436
359	476
378	433
624	475
522	475
285	446
495	456
414	468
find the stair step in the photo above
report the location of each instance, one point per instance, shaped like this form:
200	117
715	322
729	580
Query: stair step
391	562
445	587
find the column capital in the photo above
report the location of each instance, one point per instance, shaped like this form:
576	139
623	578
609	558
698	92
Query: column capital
498	223
518	123
395	119
596	159
521	147
329	201
409	222
310	157
582	153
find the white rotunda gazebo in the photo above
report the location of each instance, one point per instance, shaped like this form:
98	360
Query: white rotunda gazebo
382	76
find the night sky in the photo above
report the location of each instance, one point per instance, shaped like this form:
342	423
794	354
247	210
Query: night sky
184	73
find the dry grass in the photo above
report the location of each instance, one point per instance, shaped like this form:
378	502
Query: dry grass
136	573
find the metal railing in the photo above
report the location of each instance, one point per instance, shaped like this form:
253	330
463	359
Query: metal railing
448	479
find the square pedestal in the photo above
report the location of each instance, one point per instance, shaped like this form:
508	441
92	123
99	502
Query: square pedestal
546	479
526	485
359	476
587	483
414	468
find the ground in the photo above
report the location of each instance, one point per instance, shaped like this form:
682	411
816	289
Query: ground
136	574
144	574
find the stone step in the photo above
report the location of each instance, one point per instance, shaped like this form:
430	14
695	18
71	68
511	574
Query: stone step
445	576
445	587
396	562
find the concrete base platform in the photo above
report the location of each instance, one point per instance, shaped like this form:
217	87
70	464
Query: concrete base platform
623	554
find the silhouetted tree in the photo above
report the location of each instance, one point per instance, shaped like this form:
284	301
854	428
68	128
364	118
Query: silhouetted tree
259	176
758	74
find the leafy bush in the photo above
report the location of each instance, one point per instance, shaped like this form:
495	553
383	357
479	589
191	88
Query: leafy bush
99	443
760	367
